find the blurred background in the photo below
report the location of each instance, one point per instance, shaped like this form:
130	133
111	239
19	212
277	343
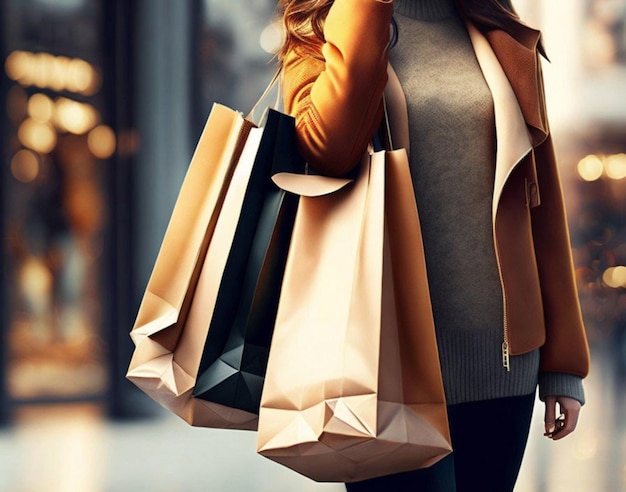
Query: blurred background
103	101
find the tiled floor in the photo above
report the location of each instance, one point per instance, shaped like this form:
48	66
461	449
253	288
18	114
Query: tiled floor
61	449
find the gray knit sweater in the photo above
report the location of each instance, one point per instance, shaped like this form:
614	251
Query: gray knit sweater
452	134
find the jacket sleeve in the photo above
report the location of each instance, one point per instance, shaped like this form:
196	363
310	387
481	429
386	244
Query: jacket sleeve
335	95
566	349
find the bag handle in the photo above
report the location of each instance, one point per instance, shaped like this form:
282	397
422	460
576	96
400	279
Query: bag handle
385	123
300	184
315	185
311	185
274	82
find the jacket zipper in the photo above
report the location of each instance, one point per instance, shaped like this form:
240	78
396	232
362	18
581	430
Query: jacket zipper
506	361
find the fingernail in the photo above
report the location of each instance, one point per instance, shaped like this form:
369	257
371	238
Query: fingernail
551	429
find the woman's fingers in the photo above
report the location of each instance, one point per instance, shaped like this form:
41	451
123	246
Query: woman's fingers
563	425
550	416
571	409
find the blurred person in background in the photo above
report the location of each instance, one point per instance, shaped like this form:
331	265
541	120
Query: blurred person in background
506	310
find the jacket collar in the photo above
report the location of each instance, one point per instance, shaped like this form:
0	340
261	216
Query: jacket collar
519	56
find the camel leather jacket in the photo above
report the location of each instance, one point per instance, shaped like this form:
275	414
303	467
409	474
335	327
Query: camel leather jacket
335	93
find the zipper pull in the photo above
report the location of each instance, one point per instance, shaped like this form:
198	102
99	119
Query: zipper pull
505	356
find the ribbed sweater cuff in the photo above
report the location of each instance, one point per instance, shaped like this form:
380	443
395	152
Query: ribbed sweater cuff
559	384
426	10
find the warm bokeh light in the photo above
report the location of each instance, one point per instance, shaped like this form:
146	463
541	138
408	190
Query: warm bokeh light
25	166
75	117
36	278
590	168
271	38
81	77
37	135
615	166
58	73
17	65
40	107
615	277
101	141
58	69
40	73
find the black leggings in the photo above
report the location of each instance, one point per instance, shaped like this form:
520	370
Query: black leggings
488	438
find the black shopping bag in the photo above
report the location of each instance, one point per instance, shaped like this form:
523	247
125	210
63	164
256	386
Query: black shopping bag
233	364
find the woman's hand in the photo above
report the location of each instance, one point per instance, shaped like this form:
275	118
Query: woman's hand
558	428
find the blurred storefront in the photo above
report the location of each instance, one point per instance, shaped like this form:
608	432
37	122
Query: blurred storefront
103	102
58	141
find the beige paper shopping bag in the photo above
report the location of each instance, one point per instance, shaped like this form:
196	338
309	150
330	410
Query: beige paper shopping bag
173	319
353	387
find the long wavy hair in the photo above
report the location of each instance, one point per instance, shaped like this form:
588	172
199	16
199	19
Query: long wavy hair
303	20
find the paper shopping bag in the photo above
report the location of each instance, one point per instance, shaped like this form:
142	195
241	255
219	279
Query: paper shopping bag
167	335
353	387
218	347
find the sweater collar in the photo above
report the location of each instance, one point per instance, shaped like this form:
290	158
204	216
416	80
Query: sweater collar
426	10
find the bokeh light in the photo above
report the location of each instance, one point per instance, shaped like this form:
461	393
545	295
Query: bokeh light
40	107
75	117
17	65
615	166
81	77
40	70
37	135
615	277
101	141
58	73
58	70
25	166
271	37
590	168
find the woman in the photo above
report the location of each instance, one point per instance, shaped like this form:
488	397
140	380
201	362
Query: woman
486	184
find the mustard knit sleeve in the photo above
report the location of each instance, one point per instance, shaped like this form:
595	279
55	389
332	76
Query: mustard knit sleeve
335	96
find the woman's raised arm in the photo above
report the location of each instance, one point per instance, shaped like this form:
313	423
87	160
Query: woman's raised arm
335	93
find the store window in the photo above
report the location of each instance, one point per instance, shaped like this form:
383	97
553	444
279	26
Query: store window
57	144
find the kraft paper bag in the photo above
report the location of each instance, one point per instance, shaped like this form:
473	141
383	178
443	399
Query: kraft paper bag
353	387
173	320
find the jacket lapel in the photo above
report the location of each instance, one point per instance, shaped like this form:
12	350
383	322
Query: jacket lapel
519	58
511	132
